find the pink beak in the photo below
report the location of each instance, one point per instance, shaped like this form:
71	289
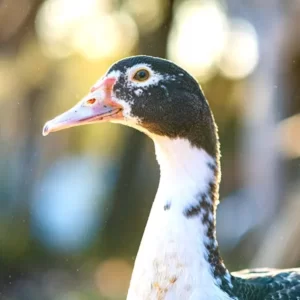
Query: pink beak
97	106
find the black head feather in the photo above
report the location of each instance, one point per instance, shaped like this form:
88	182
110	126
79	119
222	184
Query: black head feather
175	106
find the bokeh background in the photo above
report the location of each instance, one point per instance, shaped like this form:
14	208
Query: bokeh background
73	206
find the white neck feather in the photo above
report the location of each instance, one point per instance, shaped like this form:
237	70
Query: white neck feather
172	260
184	172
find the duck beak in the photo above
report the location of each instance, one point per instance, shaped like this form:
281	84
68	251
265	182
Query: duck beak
97	106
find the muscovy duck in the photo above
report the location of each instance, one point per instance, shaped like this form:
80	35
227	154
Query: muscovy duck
179	256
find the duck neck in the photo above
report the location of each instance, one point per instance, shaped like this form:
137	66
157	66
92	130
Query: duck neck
189	186
179	252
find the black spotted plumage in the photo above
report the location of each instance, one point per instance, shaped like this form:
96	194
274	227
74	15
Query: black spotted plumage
267	284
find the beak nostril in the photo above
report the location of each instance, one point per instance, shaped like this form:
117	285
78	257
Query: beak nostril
91	101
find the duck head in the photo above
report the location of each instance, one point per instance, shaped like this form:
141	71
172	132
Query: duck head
151	94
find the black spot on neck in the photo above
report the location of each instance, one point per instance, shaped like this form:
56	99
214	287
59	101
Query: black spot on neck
167	206
212	166
194	210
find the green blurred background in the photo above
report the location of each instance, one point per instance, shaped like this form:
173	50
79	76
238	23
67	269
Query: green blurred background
73	206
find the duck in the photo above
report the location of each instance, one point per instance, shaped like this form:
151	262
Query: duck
178	257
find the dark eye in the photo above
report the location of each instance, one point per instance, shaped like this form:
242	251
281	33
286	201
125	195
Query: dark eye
141	75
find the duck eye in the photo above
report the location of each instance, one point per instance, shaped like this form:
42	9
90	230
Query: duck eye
141	75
